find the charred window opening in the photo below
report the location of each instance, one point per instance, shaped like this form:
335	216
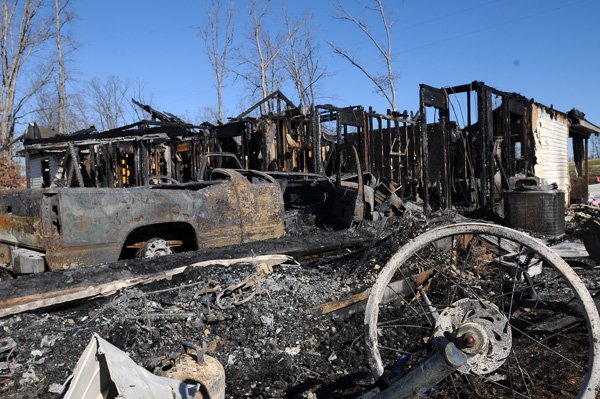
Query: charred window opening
578	156
125	171
579	173
45	173
517	150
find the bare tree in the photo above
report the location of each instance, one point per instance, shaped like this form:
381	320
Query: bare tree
314	72
595	146
137	90
52	109
62	17
207	114
46	110
109	101
109	104
80	114
218	40
300	60
384	82
77	114
262	61
262	44
24	29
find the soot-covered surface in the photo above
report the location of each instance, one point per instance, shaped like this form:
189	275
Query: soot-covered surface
270	346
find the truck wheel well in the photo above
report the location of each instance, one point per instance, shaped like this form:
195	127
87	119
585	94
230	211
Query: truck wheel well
175	231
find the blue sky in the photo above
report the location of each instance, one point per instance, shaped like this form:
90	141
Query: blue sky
545	49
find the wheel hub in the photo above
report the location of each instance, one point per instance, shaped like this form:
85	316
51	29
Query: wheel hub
480	330
154	247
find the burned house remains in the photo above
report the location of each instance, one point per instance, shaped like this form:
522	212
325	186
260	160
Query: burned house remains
314	251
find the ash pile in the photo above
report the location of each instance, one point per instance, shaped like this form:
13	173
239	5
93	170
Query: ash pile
279	327
261	322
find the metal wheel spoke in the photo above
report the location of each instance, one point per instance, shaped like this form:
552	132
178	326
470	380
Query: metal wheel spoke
518	333
537	342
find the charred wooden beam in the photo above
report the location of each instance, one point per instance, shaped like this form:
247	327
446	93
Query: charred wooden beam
508	146
276	94
424	155
386	149
432	97
355	303
76	164
377	147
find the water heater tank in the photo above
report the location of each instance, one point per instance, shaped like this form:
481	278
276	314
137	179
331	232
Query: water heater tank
538	211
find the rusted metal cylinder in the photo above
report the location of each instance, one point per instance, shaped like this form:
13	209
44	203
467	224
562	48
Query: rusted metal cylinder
539	211
207	371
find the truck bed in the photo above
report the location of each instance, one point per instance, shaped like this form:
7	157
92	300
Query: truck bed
84	226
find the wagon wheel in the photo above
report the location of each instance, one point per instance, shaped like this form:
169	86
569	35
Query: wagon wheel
499	329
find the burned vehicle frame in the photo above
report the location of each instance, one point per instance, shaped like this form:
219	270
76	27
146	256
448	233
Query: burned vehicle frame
71	227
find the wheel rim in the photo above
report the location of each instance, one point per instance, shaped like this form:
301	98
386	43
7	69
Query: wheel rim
153	248
411	321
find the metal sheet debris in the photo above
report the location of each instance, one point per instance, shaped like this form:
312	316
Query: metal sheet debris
106	372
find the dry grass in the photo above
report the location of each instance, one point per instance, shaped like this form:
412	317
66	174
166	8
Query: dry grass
594	169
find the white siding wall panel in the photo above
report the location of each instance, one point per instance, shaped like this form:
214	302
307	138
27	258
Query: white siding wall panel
36	177
551	135
35	172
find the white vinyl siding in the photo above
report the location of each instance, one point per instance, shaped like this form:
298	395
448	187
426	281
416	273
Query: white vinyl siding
36	177
551	133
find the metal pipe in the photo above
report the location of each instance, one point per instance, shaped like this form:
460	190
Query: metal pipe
426	374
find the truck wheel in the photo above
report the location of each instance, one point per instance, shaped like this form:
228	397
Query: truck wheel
154	247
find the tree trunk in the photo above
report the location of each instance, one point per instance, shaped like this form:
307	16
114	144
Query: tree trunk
17	42
62	95
217	50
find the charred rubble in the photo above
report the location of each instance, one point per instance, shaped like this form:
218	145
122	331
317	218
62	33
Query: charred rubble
305	209
466	157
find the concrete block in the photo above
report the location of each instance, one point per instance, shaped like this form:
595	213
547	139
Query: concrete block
26	261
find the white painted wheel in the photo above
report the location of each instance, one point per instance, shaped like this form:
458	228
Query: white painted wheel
551	319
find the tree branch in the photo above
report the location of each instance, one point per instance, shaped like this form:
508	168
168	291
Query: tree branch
373	79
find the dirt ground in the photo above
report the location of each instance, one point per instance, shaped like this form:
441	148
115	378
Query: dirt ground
269	345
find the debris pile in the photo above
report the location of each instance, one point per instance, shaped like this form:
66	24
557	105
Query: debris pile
260	321
305	263
252	318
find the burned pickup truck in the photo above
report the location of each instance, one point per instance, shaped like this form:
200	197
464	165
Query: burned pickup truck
57	228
